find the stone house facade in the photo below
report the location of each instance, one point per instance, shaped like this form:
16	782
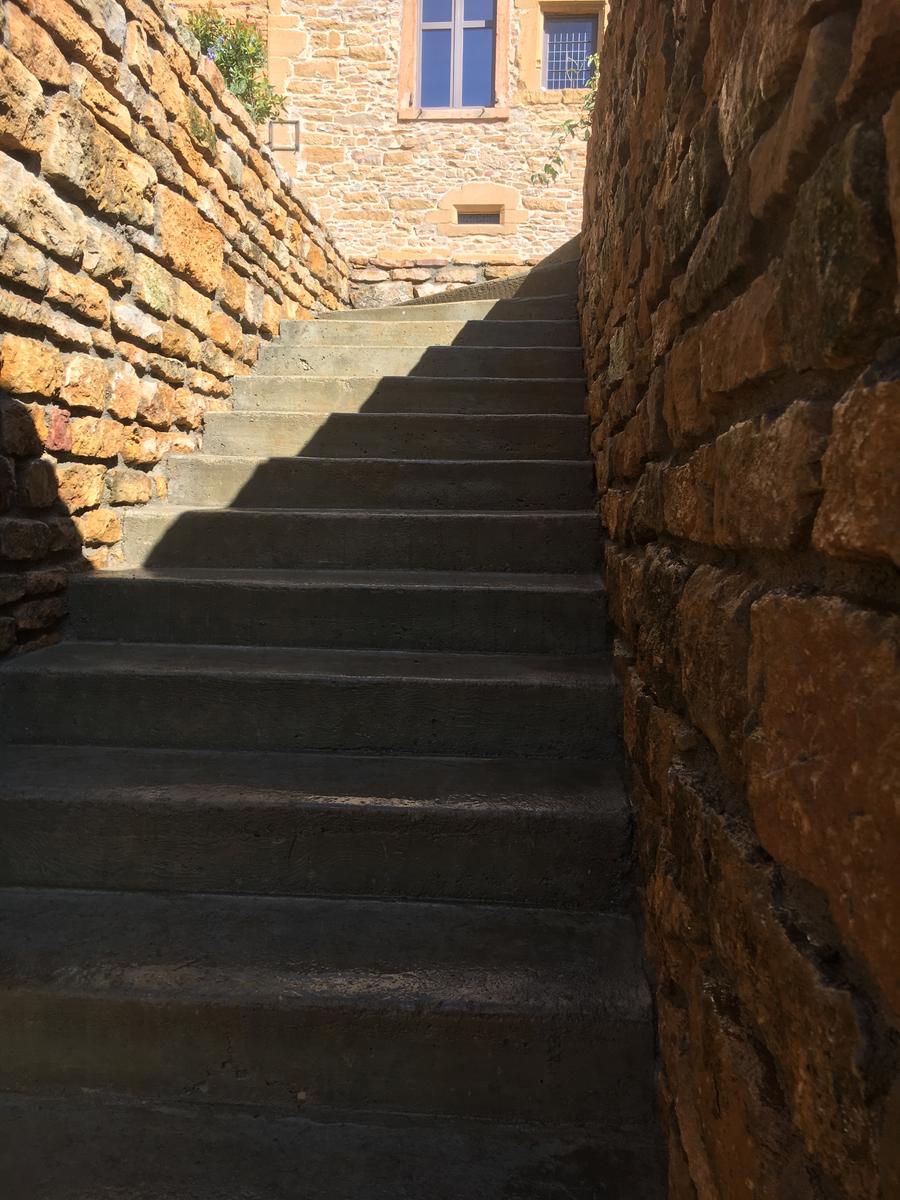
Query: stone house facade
400	162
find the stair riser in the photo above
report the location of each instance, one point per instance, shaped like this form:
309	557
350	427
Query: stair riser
347	435
450	1062
330	714
430	333
465	362
268	848
399	394
561	307
360	483
386	618
363	541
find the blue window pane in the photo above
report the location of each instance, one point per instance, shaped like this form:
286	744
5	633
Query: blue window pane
479	10
568	44
478	68
435	68
437	10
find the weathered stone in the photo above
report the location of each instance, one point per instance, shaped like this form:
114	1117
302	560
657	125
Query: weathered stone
7	483
688	494
39	614
188	243
225	332
18	434
153	286
713	623
82	42
767	479
686	414
124	391
180	343
155	404
35	49
22	263
21	106
874	66
891	125
127	486
99	526
29	367
744	341
859	516
128	319
36	483
823	763
96	437
837	274
21	539
145	447
78	292
85	382
780	159
83	155
80	485
102	104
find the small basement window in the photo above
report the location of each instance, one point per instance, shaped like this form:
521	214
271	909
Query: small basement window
569	43
490	216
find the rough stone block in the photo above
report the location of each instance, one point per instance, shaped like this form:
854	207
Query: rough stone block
875	65
96	437
78	292
81	154
99	526
743	342
823	763
859	516
80	485
188	243
21	539
19	435
838	274
124	391
127	486
36	483
35	49
714	647
767	479
85	382
780	159
29	367
22	106
686	414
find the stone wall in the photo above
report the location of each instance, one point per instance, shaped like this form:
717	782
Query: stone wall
147	245
739	299
379	173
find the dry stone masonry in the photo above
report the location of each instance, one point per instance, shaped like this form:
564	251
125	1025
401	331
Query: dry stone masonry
739	300
148	246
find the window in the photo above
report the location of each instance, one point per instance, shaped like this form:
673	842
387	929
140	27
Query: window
569	43
489	216
456	55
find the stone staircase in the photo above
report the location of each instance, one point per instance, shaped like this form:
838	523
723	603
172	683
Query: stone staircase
315	876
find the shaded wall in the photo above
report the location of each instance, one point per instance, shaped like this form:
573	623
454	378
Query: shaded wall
739	300
148	244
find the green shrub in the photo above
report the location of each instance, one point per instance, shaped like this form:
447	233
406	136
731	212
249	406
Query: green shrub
576	127
239	52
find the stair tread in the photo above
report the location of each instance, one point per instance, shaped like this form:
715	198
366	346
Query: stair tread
489	581
282	662
85	774
175	510
288	952
93	1148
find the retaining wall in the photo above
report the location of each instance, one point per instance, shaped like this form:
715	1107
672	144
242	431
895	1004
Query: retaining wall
739	297
148	244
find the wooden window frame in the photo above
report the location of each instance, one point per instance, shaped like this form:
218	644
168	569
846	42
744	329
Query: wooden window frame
457	26
410	59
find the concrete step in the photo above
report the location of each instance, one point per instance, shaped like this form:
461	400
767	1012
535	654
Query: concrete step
205	481
324	701
93	1148
351	610
463	332
554	542
289	824
467	1010
459	362
388	435
560	307
404	394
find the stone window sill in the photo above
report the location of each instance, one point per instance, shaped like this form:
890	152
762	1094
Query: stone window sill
453	114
